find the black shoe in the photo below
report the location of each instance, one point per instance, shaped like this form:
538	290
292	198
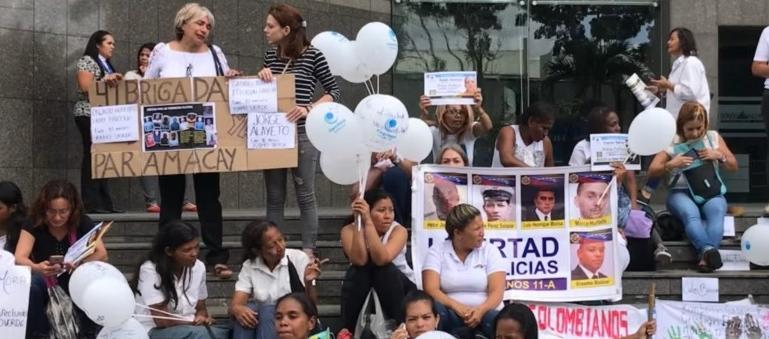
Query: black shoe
713	259
97	211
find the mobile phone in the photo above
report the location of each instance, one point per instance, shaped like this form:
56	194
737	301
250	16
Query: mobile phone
692	153
55	259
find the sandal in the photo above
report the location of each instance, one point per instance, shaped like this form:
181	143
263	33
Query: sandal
222	271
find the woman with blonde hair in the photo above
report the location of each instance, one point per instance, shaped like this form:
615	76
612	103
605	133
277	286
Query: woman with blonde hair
687	160
456	124
190	55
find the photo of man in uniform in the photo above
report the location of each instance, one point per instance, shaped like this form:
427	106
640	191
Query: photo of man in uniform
590	253
498	205
543	208
588	199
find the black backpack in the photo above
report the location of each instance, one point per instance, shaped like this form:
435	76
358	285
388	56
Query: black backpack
670	228
642	249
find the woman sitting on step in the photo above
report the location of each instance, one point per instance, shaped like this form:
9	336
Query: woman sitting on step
377	254
697	153
172	282
270	271
56	222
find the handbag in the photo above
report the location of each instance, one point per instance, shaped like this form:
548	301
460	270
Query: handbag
371	319
704	180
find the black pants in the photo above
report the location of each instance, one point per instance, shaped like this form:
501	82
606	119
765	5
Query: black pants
209	209
390	284
95	192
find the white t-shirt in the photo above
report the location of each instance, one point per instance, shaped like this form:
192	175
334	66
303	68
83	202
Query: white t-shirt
465	282
532	154
132	75
194	282
3	240
468	141
265	286
581	154
167	63
690	84
762	51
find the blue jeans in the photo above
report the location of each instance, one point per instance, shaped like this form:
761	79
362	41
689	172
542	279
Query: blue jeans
265	329
704	224
450	321
189	332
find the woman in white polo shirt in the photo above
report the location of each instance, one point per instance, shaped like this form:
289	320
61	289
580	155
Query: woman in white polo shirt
173	280
464	274
269	271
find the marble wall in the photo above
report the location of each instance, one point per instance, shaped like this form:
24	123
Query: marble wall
42	39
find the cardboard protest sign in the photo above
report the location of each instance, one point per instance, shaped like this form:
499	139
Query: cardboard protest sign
680	319
186	127
14	300
579	321
528	215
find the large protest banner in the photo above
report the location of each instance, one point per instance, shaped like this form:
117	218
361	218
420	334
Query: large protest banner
14	298
580	321
185	126
550	224
679	319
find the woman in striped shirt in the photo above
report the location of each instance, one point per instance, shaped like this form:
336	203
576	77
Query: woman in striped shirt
292	53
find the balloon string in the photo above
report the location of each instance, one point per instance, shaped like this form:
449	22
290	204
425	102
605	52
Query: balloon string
377	83
365	83
159	317
361	188
614	179
160	311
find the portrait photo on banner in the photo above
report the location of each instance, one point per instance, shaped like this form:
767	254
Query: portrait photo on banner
588	207
178	126
542	201
495	197
592	260
442	191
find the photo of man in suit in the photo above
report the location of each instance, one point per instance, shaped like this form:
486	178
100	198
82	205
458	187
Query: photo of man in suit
591	254
543	208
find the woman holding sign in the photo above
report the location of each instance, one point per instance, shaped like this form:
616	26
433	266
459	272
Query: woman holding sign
57	221
456	124
94	65
187	56
292	53
697	193
464	274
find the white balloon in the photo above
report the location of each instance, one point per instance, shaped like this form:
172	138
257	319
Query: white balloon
417	142
345	169
331	127
435	335
651	131
130	329
353	69
376	47
382	120
108	302
755	244
87	273
334	47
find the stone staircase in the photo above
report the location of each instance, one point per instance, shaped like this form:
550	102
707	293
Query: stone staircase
129	240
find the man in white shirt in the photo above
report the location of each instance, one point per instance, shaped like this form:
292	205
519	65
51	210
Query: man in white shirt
760	68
